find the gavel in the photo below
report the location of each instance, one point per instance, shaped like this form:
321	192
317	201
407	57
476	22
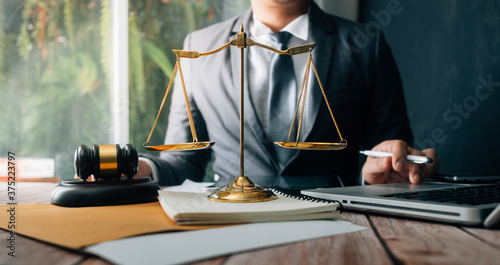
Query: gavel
106	161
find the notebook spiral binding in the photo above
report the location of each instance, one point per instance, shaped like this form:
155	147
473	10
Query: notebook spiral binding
302	197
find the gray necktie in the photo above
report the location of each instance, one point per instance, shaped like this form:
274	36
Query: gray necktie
282	96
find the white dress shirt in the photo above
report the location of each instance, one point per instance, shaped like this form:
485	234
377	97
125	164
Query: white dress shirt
260	59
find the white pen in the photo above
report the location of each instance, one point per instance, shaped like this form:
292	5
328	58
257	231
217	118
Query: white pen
410	158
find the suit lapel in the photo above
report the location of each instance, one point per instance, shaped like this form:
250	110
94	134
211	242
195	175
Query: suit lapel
251	119
323	34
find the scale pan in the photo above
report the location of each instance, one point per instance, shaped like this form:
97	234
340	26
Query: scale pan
180	147
312	145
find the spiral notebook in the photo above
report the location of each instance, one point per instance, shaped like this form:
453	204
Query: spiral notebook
190	208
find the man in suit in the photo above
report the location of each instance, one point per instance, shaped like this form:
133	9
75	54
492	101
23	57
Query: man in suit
361	81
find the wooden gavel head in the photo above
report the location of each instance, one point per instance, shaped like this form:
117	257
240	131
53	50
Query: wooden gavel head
106	161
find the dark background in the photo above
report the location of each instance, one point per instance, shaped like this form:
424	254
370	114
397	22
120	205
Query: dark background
448	54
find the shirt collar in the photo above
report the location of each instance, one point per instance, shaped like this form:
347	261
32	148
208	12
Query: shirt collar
299	27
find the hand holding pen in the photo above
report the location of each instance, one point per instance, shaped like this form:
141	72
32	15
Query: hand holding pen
409	158
394	161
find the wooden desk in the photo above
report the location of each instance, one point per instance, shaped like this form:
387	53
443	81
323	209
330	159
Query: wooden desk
387	241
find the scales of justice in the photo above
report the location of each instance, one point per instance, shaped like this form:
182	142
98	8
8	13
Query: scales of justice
242	189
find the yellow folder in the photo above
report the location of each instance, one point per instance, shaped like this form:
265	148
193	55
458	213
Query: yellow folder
83	226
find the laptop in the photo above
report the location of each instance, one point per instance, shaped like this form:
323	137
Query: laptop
465	204
460	178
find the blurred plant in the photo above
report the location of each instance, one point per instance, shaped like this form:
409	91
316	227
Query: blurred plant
54	90
54	83
155	28
54	69
2	48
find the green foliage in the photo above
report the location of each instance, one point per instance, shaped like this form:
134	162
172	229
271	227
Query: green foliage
189	15
2	57
55	65
105	33
55	95
68	22
159	27
23	40
3	94
155	54
137	83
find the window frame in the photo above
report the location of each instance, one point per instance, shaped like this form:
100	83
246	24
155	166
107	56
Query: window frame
119	84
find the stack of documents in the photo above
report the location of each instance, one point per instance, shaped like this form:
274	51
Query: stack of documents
189	208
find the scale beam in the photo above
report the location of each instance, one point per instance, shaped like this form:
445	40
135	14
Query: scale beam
242	189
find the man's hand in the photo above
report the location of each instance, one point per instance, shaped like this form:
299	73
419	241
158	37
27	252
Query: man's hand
144	170
395	168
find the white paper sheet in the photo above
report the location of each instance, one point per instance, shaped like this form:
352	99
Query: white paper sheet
191	186
183	247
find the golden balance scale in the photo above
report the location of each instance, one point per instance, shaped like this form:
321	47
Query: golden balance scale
242	189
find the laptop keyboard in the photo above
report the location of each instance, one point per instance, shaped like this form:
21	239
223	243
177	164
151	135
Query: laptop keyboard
475	195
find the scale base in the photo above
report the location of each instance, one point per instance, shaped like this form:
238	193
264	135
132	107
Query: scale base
104	192
242	189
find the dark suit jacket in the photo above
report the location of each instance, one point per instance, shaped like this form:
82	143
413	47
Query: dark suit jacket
362	84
